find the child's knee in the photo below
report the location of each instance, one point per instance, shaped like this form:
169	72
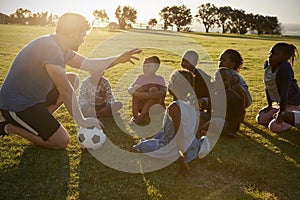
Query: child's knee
278	127
288	117
265	118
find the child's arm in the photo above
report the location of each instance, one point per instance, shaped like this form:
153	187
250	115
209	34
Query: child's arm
132	88
158	89
283	81
175	114
242	93
153	93
139	93
135	85
157	93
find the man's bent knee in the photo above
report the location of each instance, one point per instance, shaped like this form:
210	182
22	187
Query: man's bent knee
60	139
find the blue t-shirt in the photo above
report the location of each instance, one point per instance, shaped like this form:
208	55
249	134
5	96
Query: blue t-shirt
243	83
27	82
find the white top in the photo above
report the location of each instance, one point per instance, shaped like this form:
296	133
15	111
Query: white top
188	123
270	84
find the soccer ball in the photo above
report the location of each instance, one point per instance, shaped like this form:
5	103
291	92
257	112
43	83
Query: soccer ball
91	138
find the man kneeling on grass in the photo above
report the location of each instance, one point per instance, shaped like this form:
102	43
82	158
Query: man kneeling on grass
37	84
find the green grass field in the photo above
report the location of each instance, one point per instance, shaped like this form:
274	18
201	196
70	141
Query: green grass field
258	164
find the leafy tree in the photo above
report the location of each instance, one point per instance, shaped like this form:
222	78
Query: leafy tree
42	19
100	15
152	22
118	14
21	15
224	15
207	15
240	22
125	16
257	23
181	16
176	15
165	14
52	19
25	16
272	25
265	25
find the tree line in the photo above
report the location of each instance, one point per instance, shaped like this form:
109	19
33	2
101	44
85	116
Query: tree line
230	20
25	16
236	21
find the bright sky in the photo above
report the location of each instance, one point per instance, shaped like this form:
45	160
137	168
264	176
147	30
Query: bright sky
287	11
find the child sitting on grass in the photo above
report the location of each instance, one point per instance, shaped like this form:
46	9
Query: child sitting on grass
233	114
232	59
202	83
177	139
96	98
148	89
282	90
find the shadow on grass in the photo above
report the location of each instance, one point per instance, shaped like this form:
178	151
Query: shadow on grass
39	175
275	160
97	181
286	144
242	168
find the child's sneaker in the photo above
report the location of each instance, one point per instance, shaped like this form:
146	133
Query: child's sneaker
131	122
204	147
2	128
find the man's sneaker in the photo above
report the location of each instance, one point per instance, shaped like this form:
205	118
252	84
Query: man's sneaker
2	128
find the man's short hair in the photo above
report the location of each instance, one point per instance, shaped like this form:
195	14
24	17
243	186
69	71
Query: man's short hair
70	23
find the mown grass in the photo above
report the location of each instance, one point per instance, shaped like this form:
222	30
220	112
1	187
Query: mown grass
258	164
